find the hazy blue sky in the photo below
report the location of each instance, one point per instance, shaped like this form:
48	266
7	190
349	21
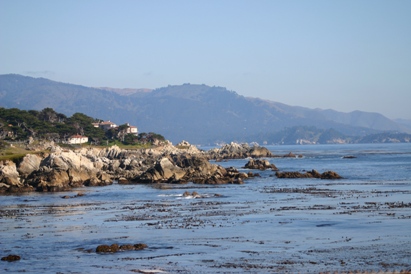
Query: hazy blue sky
345	55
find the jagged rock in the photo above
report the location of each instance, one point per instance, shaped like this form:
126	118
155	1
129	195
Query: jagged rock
182	168
53	181
260	164
163	170
30	163
9	174
184	145
238	151
112	152
100	179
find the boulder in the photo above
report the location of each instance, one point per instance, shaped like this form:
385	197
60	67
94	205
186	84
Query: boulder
163	170
260	164
330	175
11	258
9	174
99	179
30	163
259	152
51	181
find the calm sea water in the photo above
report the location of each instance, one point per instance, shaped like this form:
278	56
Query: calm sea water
267	225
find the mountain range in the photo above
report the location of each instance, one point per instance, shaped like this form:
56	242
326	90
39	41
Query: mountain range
200	114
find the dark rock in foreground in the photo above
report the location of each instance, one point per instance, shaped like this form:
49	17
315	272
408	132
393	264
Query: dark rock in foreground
309	174
11	258
116	248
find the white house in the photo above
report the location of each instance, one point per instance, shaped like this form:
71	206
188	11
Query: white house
106	125
77	139
131	129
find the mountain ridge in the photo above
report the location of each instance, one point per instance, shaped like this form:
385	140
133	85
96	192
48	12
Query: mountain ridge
199	113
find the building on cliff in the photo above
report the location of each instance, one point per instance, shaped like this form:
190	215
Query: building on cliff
106	125
123	129
77	139
131	129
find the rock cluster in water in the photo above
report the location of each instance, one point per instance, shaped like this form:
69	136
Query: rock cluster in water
260	164
116	248
308	174
238	151
59	169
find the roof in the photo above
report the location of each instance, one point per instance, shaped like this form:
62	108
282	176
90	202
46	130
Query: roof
78	136
107	123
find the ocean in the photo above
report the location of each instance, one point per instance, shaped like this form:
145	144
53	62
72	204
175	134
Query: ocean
266	225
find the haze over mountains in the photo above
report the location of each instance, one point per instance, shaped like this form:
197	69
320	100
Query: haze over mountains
198	113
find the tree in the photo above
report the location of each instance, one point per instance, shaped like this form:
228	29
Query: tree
48	115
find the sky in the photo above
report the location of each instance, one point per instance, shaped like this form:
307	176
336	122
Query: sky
342	55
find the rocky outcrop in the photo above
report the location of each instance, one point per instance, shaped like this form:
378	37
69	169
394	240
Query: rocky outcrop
60	169
259	152
65	169
309	174
10	179
189	148
183	168
238	151
260	164
162	171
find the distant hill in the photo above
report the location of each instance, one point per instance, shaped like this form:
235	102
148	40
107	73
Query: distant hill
403	122
311	135
199	114
126	91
